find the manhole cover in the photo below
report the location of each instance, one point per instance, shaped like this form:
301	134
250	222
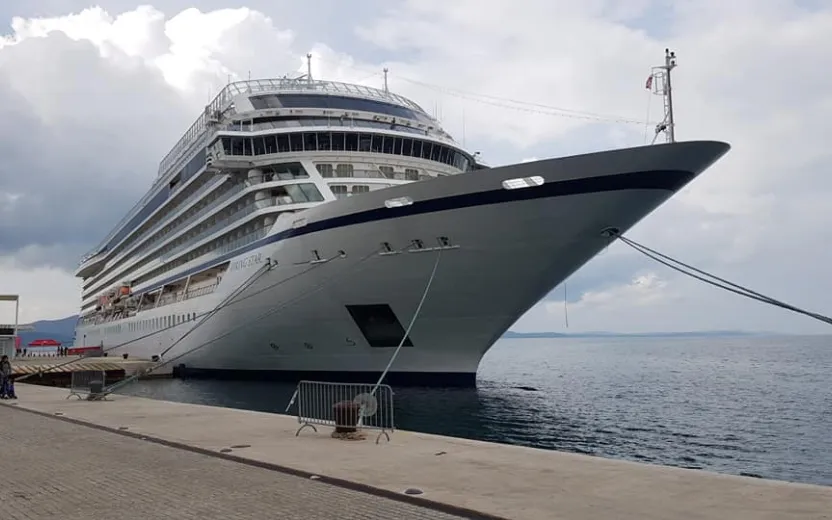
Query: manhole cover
413	491
122	427
225	450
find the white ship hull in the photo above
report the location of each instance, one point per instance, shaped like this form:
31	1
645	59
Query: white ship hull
509	248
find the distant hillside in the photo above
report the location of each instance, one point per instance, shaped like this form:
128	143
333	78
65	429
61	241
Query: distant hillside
61	330
64	329
689	334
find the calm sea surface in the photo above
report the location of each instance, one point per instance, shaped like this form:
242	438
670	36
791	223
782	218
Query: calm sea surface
752	406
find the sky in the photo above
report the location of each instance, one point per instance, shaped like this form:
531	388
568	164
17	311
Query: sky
93	96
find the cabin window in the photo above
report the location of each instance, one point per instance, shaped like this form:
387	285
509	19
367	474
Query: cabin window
295	193
324	169
344	170
411	174
360	188
387	171
289	171
339	190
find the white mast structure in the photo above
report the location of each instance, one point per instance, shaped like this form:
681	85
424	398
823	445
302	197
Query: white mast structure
659	82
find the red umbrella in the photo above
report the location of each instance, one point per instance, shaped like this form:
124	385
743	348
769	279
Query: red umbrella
45	343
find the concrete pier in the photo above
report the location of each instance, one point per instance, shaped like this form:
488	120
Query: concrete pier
57	371
459	478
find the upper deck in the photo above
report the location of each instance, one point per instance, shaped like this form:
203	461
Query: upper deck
224	101
257	94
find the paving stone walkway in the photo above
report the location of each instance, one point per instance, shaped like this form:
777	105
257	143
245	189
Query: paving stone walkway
52	469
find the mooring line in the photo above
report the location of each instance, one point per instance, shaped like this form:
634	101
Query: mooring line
715	281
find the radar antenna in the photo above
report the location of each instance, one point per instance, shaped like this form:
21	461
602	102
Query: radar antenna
659	82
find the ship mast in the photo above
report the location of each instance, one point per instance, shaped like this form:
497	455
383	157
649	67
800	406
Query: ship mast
659	81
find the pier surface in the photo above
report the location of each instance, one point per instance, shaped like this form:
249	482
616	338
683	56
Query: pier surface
68	364
167	466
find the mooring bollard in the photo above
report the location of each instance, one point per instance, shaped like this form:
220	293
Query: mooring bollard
346	416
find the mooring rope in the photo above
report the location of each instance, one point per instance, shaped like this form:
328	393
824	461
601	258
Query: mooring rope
410	325
716	281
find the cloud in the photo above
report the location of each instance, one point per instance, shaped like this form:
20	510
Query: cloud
91	101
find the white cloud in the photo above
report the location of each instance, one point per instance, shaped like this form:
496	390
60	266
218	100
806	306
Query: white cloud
45	292
107	93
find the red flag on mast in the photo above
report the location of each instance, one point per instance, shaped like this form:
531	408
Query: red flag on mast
649	83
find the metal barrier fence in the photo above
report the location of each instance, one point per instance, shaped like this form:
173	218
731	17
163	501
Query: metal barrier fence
89	383
346	406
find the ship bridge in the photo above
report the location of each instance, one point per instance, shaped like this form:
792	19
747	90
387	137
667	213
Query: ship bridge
290	94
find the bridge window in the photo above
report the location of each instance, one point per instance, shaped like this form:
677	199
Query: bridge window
282	143
360	188
350	142
296	142
411	174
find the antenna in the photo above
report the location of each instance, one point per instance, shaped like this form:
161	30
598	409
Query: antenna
386	91
309	68
662	87
463	127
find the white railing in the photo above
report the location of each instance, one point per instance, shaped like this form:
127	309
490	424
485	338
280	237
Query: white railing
348	407
235	189
246	210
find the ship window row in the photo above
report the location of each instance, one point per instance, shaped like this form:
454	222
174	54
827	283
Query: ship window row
195	198
342	191
281	195
383	172
269	123
182	199
187	171
345	142
241	208
225	244
267	101
270	173
276	172
148	325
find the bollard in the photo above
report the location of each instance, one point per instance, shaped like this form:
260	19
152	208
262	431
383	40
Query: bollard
96	390
346	416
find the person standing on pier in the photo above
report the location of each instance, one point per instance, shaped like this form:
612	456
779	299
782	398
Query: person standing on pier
6	383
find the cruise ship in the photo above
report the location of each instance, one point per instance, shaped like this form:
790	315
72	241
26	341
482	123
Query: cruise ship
310	229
